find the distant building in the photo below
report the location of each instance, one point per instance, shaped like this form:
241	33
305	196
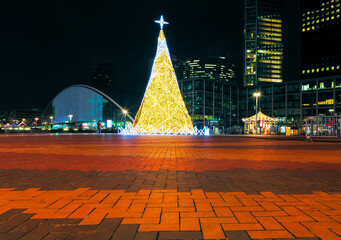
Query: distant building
103	74
321	37
212	103
82	104
263	42
292	102
21	114
214	68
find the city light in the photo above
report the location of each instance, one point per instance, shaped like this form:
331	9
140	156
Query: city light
257	94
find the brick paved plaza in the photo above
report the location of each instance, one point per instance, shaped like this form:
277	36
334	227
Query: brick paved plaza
176	187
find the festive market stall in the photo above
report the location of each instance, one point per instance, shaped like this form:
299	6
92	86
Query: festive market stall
260	124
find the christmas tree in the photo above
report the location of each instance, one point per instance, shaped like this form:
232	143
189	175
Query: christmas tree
163	110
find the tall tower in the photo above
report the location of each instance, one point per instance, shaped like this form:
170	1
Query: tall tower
163	109
321	37
263	42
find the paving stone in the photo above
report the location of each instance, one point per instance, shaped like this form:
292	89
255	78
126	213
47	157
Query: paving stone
237	235
125	232
146	236
180	235
174	187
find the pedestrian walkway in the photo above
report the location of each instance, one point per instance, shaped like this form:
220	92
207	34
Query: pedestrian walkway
113	187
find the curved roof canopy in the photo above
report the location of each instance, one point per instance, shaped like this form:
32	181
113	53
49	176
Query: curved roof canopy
83	100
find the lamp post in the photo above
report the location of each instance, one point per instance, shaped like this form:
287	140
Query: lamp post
70	117
331	111
51	118
257	95
125	112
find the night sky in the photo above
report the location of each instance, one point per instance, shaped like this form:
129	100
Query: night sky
47	46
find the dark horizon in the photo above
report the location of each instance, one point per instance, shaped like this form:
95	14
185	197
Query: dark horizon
48	47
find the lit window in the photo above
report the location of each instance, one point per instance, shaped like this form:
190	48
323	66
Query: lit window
327	68
303	72
333	67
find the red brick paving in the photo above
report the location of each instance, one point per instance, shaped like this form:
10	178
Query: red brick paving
150	187
145	153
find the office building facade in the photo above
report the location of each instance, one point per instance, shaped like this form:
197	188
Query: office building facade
214	68
293	102
321	37
212	103
263	42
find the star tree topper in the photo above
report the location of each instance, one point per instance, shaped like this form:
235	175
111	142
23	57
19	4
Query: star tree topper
161	22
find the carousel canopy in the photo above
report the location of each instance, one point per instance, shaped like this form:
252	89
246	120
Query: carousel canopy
260	116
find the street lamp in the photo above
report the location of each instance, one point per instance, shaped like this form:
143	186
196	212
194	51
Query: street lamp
331	111
125	112
70	117
257	95
51	118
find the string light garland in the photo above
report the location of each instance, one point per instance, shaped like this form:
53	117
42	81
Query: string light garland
163	110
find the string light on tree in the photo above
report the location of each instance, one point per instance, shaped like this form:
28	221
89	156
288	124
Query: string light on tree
163	109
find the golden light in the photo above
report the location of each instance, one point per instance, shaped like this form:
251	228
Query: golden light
124	111
257	94
163	109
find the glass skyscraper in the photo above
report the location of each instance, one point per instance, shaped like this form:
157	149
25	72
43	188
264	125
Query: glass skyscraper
263	39
214	68
321	37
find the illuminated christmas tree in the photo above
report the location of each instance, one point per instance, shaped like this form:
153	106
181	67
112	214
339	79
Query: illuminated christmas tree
163	110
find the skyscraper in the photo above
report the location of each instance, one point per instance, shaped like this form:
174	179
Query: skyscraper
321	37
103	74
215	68
263	39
